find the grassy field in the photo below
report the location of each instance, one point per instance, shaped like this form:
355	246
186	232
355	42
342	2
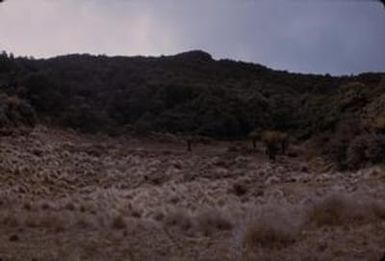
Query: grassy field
67	196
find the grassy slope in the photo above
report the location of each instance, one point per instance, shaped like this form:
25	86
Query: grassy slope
67	197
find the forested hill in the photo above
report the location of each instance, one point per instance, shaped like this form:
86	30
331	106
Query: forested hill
186	93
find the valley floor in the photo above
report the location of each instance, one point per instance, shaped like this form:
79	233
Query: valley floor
66	196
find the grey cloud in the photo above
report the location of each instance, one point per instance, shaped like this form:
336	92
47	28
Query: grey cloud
334	36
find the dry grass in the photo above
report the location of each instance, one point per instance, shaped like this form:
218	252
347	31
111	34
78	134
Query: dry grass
240	188
55	221
119	222
378	208
268	227
213	219
77	205
343	209
11	219
179	218
70	206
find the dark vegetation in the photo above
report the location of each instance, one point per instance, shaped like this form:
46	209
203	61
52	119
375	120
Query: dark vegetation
192	94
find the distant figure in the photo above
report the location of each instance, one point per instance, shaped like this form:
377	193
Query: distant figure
189	141
255	136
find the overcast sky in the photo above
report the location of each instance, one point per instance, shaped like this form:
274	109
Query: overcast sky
323	36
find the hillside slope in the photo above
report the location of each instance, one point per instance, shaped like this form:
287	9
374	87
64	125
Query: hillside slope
186	93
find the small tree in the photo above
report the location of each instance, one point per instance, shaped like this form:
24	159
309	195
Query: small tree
275	142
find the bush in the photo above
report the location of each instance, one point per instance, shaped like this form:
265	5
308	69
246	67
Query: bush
353	96
355	155
366	149
336	149
355	145
15	112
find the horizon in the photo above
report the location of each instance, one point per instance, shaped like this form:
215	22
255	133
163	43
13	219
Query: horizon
336	38
197	50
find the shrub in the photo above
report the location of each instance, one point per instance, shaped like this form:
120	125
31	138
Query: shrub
15	112
356	152
352	97
366	149
337	147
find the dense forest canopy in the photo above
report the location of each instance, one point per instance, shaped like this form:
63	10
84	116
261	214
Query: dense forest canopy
189	93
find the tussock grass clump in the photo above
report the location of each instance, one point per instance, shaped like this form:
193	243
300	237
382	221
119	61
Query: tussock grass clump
240	188
85	222
27	206
178	218
58	222
14	238
332	210
31	221
378	209
118	222
10	219
70	206
269	228
54	221
213	219
341	209
134	211
158	215
46	205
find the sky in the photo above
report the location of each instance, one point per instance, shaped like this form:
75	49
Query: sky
309	36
